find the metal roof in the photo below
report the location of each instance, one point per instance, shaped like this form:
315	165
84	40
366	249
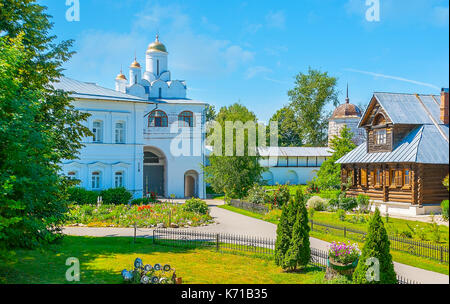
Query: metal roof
407	109
295	151
178	101
423	145
86	90
288	151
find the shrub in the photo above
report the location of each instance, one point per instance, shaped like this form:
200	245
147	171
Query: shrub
444	207
196	205
363	202
299	252
348	203
312	187
317	203
435	233
406	234
138	201
311	212
376	246
341	214
281	196
116	196
82	196
284	234
257	195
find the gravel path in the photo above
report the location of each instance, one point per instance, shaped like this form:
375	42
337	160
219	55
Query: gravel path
234	223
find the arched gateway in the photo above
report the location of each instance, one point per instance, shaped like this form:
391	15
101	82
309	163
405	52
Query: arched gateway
154	171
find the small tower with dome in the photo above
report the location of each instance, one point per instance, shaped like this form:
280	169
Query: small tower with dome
346	114
155	82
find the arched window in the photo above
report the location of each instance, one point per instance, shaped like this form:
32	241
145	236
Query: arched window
96	180
157	119
97	130
120	133
186	119
118	179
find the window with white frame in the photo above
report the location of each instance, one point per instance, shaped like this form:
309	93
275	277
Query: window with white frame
96	180
120	133
118	179
72	175
97	130
380	137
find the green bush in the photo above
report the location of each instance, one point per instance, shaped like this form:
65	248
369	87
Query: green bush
196	205
116	196
257	195
363	202
444	207
317	203
348	203
376	246
82	196
138	201
341	214
281	196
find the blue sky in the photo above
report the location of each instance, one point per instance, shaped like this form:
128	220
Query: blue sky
252	50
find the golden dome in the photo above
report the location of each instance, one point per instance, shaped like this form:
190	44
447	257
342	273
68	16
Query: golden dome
121	76
135	64
157	46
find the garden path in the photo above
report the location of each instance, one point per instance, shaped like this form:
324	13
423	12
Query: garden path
234	223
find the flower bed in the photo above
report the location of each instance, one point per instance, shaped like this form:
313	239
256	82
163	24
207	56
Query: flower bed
145	216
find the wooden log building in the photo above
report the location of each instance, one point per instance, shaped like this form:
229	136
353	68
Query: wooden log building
406	156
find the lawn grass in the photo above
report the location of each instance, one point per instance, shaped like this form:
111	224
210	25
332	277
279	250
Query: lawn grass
398	256
103	259
392	225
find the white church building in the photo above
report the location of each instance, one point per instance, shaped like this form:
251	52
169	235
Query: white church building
148	137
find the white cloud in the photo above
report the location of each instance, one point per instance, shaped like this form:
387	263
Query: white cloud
252	28
100	54
276	20
257	70
209	26
395	78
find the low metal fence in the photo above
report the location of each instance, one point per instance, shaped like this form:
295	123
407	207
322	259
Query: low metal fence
231	243
415	247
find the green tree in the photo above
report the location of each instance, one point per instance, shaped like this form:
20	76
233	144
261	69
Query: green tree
299	252
289	132
329	174
210	113
233	175
312	93
376	246
38	127
284	234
